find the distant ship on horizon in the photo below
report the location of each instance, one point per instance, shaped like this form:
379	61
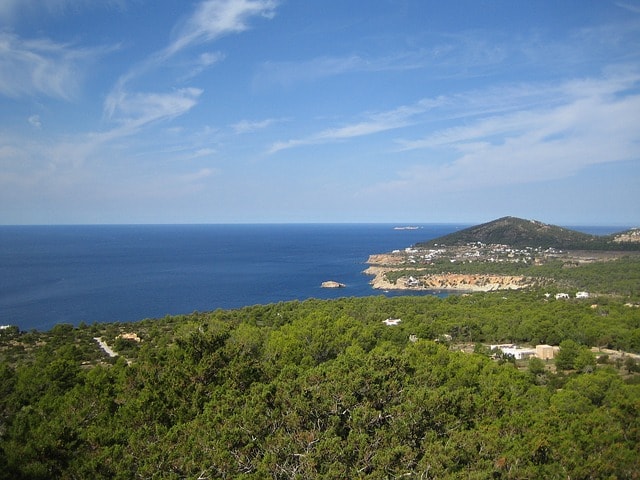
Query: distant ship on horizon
409	227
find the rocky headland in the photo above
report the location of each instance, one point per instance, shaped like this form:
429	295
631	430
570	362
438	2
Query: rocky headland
488	257
442	281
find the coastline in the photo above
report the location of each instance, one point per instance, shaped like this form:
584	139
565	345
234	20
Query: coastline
456	282
382	264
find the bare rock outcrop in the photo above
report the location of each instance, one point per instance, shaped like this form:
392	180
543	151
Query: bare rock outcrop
446	281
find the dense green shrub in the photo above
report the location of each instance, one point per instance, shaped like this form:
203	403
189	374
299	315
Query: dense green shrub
324	389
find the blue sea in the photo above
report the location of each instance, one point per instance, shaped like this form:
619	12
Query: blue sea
73	274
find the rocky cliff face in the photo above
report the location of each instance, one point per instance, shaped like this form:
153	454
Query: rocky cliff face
475	282
447	281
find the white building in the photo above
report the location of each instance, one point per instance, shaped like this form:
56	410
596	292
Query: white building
412	282
517	352
392	321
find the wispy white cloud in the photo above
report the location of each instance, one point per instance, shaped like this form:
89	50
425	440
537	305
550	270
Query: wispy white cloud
134	110
462	55
210	20
202	62
34	121
287	73
42	67
215	18
498	112
246	126
596	123
10	8
29	165
64	162
374	123
341	133
467	54
163	186
203	152
86	164
360	129
635	8
196	176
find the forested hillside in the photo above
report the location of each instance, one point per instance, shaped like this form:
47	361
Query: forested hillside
518	232
325	389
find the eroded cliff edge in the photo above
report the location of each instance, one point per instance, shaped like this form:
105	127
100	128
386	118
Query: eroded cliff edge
391	272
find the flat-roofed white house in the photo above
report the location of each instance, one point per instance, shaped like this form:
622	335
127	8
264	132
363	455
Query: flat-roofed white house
392	321
518	352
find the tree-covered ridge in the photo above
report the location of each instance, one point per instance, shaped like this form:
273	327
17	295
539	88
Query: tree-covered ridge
517	232
324	389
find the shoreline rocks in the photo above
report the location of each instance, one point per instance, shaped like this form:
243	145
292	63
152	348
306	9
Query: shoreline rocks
446	281
332	284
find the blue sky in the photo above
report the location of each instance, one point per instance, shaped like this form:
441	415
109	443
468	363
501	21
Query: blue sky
244	111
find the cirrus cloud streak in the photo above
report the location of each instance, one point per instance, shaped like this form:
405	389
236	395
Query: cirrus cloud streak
30	67
596	124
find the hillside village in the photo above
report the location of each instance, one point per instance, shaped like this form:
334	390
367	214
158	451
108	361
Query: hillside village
478	252
440	266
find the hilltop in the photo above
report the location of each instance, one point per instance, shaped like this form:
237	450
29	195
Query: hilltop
519	233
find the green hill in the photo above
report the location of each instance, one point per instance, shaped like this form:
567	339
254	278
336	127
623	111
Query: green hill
518	232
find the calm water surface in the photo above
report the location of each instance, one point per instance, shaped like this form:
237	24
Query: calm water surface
53	274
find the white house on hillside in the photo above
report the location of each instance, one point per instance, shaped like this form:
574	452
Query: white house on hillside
392	321
517	352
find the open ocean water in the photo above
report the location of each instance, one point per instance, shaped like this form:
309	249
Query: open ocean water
55	274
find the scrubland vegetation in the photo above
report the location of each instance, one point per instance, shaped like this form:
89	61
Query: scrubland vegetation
324	389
